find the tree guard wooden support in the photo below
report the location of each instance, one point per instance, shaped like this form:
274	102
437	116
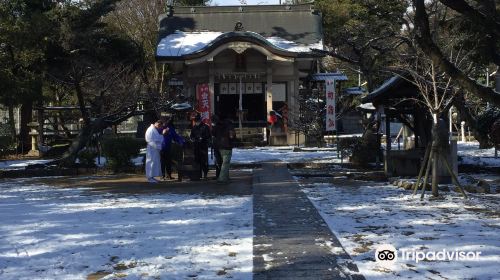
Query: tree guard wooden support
422	168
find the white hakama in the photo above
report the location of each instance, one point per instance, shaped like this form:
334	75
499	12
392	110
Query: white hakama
153	161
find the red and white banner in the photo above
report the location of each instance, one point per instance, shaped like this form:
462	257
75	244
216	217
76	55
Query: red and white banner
330	105
203	104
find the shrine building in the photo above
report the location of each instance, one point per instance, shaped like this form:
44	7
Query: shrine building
245	61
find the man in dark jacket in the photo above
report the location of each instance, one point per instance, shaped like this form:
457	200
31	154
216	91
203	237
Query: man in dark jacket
200	135
224	135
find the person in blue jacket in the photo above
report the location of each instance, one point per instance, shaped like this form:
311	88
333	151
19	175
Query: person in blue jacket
169	135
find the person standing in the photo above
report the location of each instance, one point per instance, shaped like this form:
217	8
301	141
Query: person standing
169	135
224	139
200	135
216	150
154	140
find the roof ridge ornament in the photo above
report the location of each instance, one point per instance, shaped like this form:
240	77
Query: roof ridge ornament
239	26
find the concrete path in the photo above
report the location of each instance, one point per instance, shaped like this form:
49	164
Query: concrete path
292	241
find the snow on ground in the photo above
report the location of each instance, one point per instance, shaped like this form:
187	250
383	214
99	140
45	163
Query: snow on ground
471	154
366	215
56	233
20	164
285	154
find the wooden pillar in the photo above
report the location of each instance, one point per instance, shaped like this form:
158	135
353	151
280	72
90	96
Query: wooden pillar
41	121
269	88
388	133
387	165
211	86
293	105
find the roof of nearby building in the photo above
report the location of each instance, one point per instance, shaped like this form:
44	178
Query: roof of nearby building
367	107
338	76
286	28
395	87
354	90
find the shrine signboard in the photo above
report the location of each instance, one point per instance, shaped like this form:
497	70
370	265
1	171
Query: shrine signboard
330	105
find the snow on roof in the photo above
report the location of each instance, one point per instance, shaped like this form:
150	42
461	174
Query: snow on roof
293	46
367	106
182	43
181	106
354	90
338	76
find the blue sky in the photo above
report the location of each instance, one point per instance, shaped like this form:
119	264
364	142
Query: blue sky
249	2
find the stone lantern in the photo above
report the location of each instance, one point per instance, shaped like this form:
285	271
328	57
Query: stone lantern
34	152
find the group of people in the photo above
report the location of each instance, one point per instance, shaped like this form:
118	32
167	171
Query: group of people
220	137
159	137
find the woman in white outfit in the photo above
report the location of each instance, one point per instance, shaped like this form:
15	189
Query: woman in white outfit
154	138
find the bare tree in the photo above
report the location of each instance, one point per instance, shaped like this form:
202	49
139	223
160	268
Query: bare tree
436	94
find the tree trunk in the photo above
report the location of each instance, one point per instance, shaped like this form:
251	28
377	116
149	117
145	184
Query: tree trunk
26	117
435	154
12	122
62	123
83	138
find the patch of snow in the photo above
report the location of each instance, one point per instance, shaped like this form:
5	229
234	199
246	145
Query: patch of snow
294	46
181	43
54	233
21	164
285	154
365	215
470	153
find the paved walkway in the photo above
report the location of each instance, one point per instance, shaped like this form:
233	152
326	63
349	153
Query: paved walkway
291	239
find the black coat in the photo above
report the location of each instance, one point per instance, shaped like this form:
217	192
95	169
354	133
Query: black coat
224	135
200	134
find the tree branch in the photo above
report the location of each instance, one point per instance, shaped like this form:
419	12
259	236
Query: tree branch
490	25
424	40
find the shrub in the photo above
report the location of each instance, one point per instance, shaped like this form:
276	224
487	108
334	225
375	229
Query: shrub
346	145
119	150
87	157
361	150
6	145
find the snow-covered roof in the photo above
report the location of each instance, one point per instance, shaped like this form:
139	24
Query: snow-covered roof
182	43
367	106
338	76
181	106
354	90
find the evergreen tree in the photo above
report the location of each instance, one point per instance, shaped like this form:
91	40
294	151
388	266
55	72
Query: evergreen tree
98	65
25	32
365	34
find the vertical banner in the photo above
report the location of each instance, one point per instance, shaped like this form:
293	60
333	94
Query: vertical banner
330	105
203	105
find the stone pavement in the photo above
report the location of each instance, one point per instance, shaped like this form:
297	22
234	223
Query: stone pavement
291	239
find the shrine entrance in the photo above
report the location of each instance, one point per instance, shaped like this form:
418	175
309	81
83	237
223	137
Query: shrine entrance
241	98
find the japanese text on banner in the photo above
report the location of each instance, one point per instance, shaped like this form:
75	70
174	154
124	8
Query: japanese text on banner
330	105
203	105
